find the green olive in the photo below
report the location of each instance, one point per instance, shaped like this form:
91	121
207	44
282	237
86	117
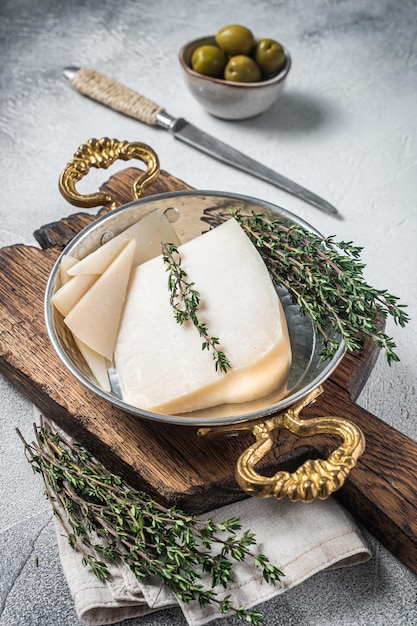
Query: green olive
242	69
235	39
208	60
269	55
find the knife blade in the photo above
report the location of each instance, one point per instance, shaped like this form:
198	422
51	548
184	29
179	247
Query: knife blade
120	98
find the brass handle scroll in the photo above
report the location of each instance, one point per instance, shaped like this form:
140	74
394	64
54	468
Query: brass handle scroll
315	478
101	153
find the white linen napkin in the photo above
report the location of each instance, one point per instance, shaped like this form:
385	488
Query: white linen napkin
300	539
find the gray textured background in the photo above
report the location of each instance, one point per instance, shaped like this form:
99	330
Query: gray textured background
346	126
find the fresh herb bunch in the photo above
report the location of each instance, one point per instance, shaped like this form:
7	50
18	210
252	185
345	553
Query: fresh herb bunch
106	520
325	278
185	301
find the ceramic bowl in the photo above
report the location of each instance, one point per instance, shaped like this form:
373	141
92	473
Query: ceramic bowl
231	100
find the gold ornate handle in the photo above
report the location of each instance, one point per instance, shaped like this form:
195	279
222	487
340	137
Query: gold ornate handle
317	478
101	153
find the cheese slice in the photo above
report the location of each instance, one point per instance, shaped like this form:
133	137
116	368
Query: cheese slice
149	233
71	292
96	363
161	364
95	318
67	261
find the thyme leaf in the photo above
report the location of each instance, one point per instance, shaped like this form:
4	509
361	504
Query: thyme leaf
325	278
185	301
108	521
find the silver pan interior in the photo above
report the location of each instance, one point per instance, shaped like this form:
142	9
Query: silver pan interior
307	371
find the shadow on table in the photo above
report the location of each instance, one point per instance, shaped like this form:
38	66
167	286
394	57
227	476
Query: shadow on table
296	112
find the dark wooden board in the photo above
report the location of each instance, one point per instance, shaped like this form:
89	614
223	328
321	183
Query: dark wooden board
170	462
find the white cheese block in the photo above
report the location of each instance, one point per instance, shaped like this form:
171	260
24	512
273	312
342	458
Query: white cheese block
71	292
149	233
95	318
161	364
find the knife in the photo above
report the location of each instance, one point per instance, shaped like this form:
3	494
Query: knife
109	92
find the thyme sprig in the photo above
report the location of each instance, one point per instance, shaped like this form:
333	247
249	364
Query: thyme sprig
107	521
185	301
325	278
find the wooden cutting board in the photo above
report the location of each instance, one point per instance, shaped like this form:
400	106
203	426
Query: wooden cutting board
171	462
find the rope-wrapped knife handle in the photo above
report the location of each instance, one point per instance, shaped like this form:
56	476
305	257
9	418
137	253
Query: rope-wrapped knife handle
103	89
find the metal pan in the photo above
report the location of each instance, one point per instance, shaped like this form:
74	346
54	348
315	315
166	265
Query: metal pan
191	212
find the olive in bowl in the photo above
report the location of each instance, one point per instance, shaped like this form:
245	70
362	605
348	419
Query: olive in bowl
232	99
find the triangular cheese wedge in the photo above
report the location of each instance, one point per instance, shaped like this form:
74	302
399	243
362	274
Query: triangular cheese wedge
67	261
71	292
149	233
96	363
161	364
95	319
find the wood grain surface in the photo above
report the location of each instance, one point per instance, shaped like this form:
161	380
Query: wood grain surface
171	462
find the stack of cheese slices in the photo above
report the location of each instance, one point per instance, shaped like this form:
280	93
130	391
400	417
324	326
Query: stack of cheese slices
116	303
